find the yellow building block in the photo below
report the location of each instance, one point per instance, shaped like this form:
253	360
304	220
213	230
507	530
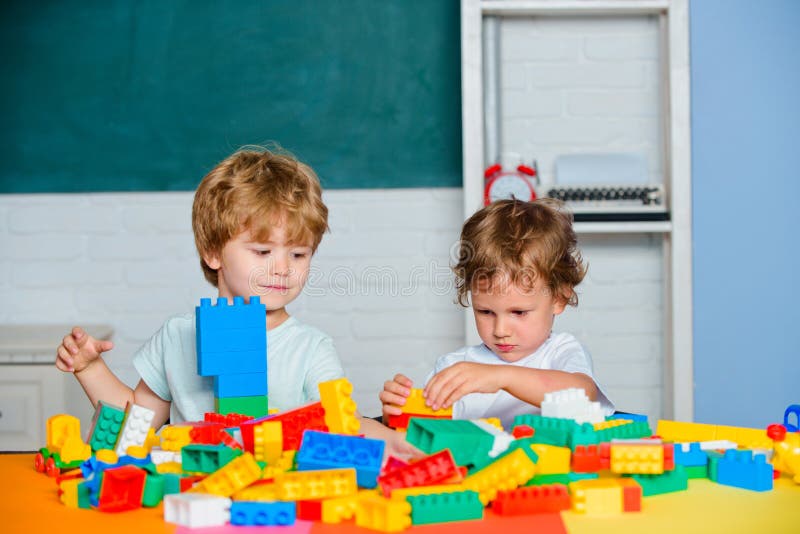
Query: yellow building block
507	473
59	428
234	476
751	438
415	404
340	409
152	440
300	485
613	423
69	492
637	459
378	513
495	422
169	467
175	437
552	460
786	458
74	449
679	431
268	441
107	456
259	491
597	496
339	509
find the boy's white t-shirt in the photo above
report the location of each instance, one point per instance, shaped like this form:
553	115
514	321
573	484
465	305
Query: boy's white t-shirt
561	352
299	357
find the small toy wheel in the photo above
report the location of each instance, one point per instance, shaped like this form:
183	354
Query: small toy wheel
776	432
38	462
51	469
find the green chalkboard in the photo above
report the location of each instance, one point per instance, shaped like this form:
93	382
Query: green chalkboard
148	95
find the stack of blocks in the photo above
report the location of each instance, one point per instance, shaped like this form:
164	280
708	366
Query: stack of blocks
232	347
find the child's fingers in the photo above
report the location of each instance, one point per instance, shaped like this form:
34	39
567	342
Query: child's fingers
387	397
64	359
396	388
391	409
403	380
103	346
69	344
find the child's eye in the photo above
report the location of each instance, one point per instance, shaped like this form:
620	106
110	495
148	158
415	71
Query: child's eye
261	252
484	312
520	313
299	255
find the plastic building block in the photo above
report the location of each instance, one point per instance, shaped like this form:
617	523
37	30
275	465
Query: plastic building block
634	430
376	513
587	459
231	339
549	430
696	471
631	495
400	422
793	409
338	509
122	489
206	433
309	509
262	513
196	510
153	490
468	443
255	406
59	428
415	404
424	472
261	490
637	458
508	472
564	478
743	469
206	458
228	420
600	496
611	423
268	441
445	507
135	427
786	452
340	409
294	422
240	385
297	485
628	416
68	492
74	450
237	474
402	494
572	403
160	456
690	455
176	437
502	439
552	460
106	426
393	463
532	500
669	481
320	450
522	431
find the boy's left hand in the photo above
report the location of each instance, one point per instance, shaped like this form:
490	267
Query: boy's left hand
450	384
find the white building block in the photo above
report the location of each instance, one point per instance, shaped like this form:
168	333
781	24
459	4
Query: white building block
135	427
159	456
196	509
572	403
502	439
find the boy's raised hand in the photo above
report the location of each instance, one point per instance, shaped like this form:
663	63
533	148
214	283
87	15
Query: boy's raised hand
450	384
78	349
394	395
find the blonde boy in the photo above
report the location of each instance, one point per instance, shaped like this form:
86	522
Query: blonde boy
257	217
518	265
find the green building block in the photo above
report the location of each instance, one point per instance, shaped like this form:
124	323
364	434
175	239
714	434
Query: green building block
255	406
83	496
548	430
566	478
713	462
153	490
106	426
206	458
445	507
634	430
468	443
521	443
675	480
172	483
697	471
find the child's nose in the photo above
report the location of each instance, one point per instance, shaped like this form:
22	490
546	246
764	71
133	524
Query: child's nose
500	327
280	265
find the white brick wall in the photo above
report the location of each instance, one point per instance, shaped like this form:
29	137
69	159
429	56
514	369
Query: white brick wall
381	287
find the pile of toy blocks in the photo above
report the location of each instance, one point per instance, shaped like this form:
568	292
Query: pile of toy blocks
309	463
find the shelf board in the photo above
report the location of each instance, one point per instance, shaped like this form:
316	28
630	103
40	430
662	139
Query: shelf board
572	7
626	227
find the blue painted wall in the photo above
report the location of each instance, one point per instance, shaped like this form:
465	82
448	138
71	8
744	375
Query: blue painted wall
745	68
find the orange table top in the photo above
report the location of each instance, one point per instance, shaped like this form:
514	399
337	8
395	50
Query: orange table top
29	503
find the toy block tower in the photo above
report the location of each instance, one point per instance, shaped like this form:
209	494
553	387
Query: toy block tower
232	347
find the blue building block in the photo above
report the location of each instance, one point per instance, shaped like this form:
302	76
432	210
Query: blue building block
628	416
690	455
240	385
263	513
793	409
231	339
320	450
743	470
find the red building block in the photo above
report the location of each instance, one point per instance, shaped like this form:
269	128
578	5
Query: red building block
228	421
186	483
122	489
424	472
400	422
293	422
206	433
392	463
669	457
631	494
309	510
550	498
587	459
523	431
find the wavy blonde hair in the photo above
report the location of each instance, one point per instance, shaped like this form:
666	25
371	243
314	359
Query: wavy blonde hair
524	241
255	190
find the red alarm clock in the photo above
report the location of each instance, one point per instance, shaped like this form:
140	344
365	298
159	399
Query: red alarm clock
501	184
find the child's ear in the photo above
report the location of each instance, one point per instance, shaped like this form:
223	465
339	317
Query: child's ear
560	300
212	260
